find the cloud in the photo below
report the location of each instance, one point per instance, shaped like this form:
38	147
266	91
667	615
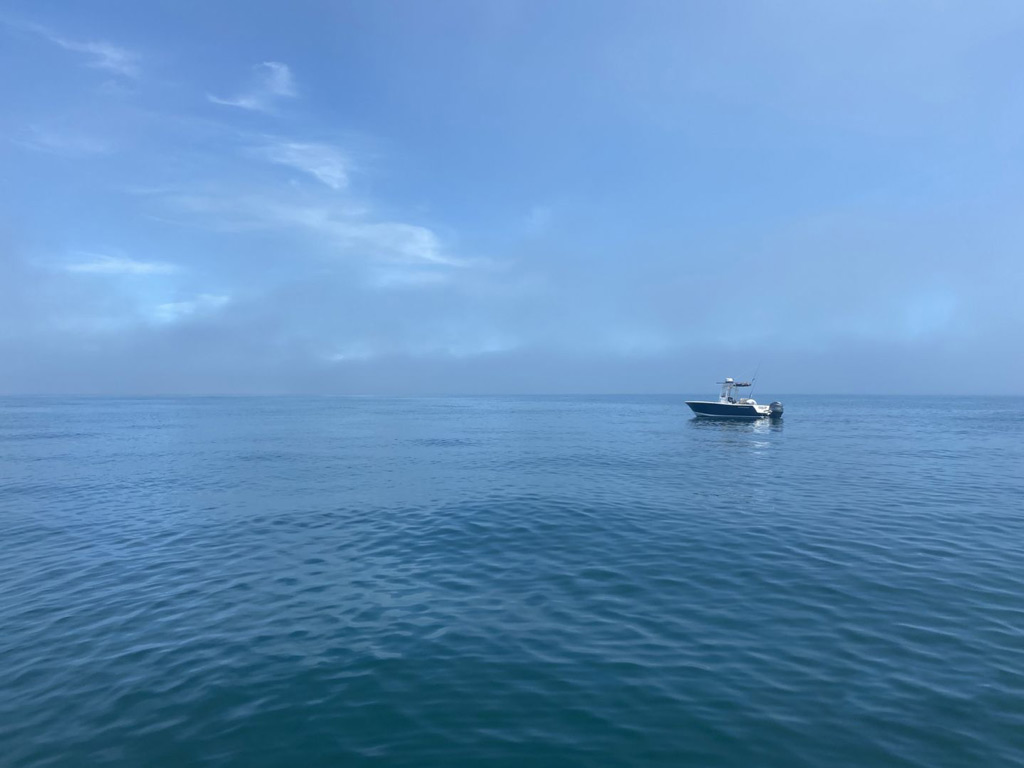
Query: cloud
117	265
237	190
326	333
388	241
322	161
100	54
329	227
391	240
68	144
273	81
104	56
203	304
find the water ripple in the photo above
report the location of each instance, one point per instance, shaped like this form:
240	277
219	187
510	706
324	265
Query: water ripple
500	581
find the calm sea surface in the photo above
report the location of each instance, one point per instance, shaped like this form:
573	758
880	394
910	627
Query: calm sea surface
510	581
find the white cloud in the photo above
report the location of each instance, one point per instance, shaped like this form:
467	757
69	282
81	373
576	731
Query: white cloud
392	241
63	143
118	265
322	161
404	242
273	81
203	304
104	56
344	229
323	220
101	54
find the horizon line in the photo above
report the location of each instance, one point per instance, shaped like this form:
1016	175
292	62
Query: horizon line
141	395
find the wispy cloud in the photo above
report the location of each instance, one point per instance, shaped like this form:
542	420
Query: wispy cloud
378	240
343	229
273	81
322	161
324	220
101	264
392	239
62	143
100	53
203	304
104	55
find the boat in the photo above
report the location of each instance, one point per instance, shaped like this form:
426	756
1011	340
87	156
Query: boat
730	406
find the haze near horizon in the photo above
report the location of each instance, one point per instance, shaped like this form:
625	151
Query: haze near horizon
510	197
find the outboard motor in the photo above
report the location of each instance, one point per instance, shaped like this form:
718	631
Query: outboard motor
775	409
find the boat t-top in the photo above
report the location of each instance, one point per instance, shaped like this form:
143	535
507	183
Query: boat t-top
730	406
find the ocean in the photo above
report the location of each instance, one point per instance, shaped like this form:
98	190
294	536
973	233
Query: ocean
544	581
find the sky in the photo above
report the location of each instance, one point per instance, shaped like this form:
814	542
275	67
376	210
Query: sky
503	197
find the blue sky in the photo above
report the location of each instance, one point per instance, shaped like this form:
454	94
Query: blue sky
504	197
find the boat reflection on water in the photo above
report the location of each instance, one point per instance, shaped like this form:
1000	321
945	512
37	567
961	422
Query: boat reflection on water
735	426
746	438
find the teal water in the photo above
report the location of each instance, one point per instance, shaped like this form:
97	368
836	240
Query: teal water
510	581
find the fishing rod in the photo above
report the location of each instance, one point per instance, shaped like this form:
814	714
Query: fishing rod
754	377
